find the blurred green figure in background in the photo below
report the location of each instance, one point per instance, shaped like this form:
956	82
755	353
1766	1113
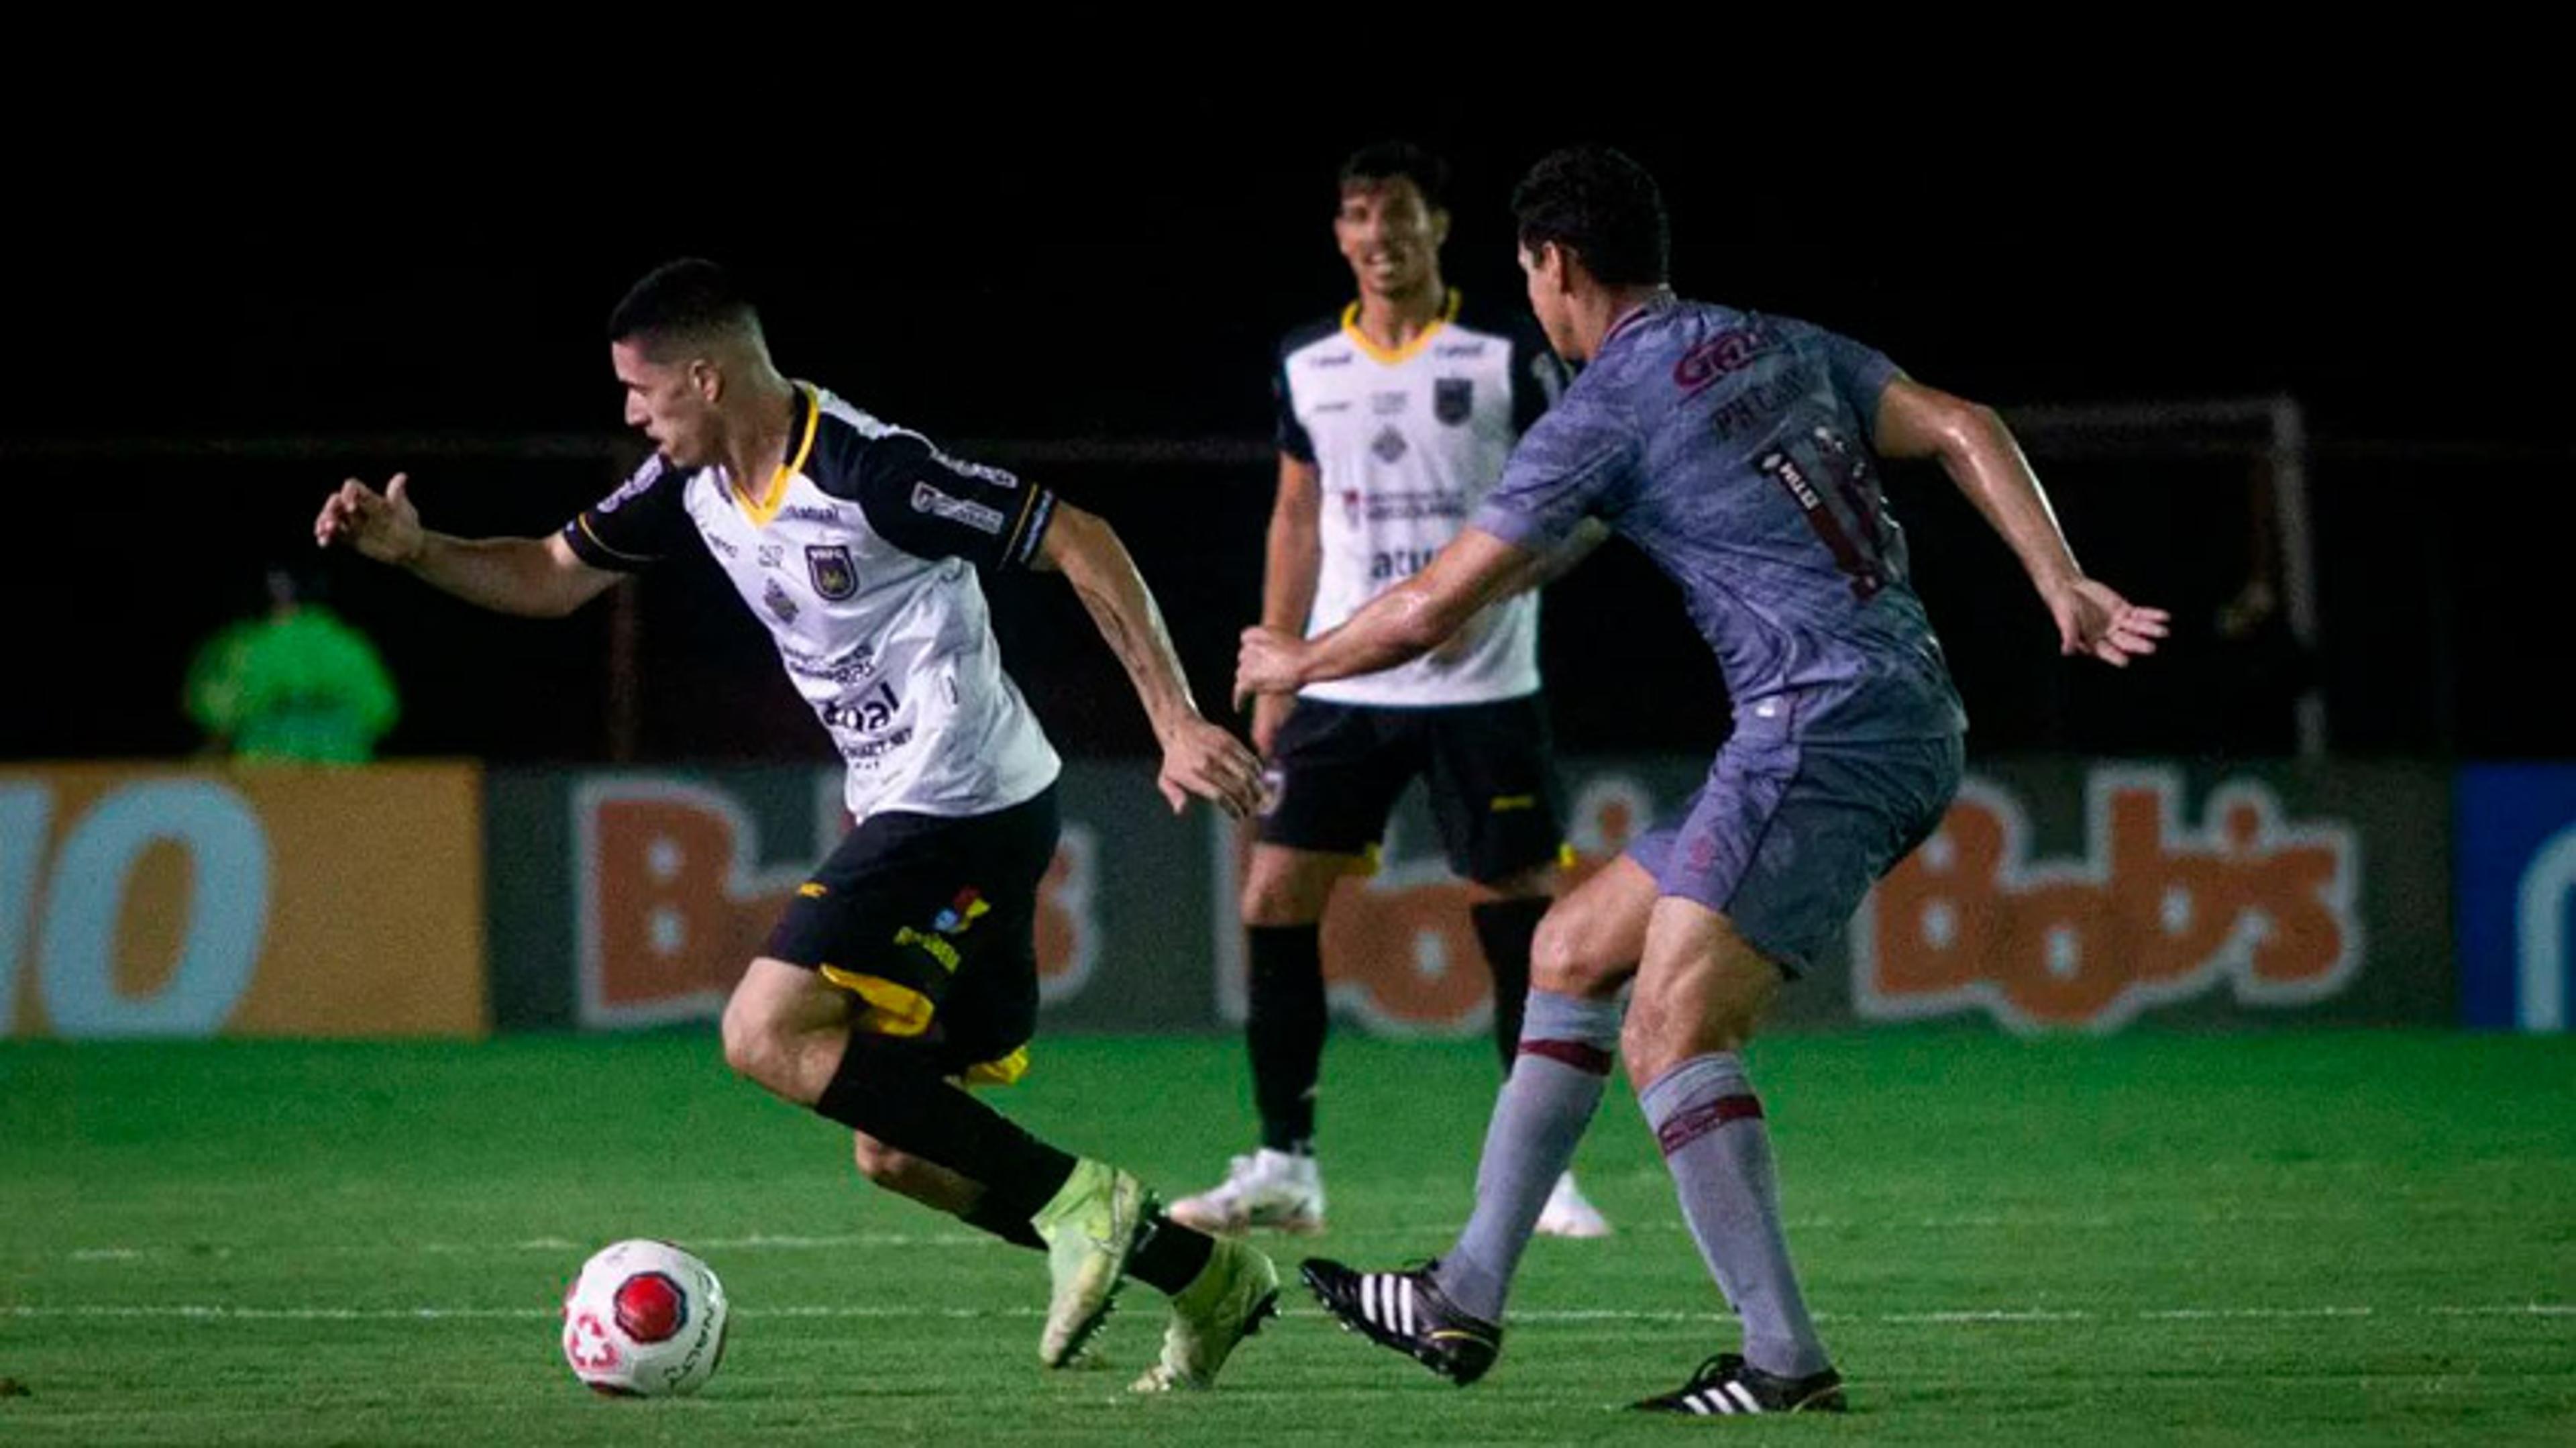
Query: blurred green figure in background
298	684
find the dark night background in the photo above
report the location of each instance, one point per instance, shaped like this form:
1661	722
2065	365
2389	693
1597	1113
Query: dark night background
202	347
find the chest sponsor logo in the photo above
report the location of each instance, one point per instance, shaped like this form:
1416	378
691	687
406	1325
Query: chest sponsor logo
852	667
1390	446
927	499
778	602
1404	505
1394	563
835	576
869	713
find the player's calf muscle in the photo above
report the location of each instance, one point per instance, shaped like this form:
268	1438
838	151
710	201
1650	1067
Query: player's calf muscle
1710	1004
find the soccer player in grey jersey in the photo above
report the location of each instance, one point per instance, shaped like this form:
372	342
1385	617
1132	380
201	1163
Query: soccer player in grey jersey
1738	451
906	963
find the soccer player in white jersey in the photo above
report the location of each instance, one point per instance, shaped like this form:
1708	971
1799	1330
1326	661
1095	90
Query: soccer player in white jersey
906	965
1394	418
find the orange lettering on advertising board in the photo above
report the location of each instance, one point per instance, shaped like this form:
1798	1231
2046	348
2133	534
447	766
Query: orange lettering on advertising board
2154	911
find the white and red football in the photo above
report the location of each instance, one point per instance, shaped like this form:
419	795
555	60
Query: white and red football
644	1319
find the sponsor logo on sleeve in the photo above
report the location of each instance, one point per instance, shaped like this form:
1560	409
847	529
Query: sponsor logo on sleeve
927	499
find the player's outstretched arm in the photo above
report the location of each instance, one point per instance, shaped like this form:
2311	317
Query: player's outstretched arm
535	577
1982	457
1404	622
1292	556
1198	757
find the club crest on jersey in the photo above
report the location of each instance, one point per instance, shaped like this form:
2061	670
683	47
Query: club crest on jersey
835	576
1453	399
1389	446
779	603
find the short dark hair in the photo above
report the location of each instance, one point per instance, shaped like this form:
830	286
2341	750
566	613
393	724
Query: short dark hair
1604	207
688	298
1382	161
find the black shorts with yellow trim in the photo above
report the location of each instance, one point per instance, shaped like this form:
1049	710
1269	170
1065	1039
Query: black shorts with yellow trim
1337	770
931	923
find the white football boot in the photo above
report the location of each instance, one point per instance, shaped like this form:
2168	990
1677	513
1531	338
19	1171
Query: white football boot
1569	1214
1270	1191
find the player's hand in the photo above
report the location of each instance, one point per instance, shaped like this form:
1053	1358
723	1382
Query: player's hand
1267	663
1269	715
1201	759
2093	619
382	526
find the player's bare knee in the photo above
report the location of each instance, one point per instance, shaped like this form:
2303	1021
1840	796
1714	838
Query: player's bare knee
1275	906
760	1048
745	1042
1567	957
1287	887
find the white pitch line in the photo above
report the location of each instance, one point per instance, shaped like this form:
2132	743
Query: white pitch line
910	1241
1964	1317
1956	1317
2200	1314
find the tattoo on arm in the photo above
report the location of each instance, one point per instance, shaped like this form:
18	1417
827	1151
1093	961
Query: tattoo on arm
1148	659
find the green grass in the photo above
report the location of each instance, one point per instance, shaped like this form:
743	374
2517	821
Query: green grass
2268	1239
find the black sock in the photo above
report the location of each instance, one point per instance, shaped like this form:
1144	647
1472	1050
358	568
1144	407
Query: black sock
891	1091
1286	1030
985	1216
1505	928
1169	1256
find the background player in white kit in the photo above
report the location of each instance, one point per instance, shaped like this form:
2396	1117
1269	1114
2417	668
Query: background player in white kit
1394	419
906	964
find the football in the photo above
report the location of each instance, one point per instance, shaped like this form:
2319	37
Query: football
644	1319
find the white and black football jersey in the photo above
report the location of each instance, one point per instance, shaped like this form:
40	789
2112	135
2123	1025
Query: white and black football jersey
1406	444
861	556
